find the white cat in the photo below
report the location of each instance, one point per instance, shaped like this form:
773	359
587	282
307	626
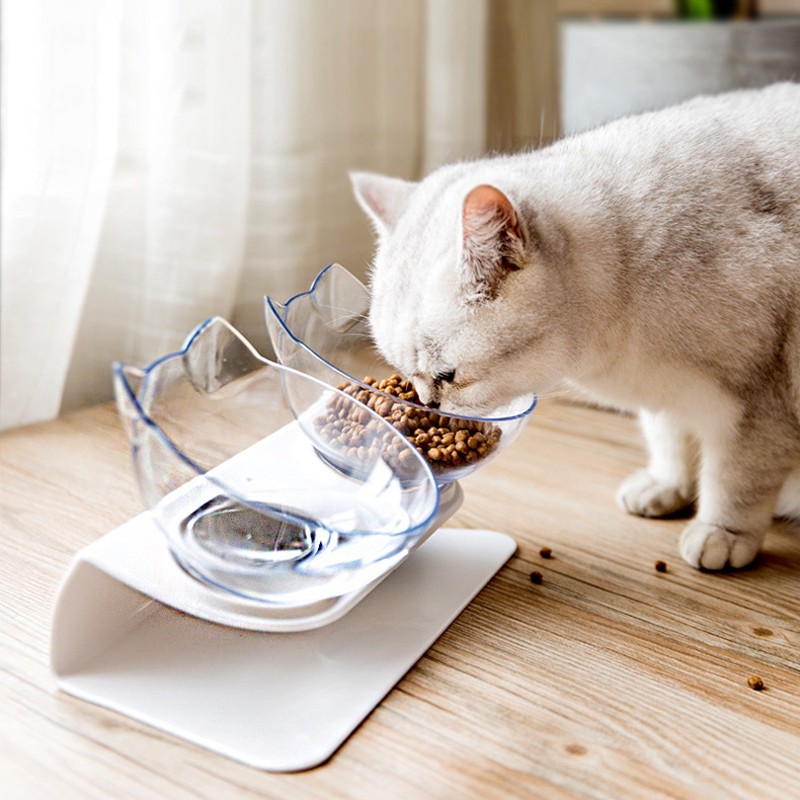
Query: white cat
655	263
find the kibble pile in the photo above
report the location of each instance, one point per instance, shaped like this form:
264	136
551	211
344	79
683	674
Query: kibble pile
446	442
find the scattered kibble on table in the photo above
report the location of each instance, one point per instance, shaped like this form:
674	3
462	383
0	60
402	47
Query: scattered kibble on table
546	552
754	682
661	566
536	577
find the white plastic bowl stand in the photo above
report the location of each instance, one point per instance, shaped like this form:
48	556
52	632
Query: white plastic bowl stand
278	689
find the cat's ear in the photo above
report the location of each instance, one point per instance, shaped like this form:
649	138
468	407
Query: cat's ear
383	198
492	242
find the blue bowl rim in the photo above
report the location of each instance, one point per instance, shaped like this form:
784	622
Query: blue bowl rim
118	369
268	302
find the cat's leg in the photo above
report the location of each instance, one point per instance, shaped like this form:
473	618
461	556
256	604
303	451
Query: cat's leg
788	504
668	483
743	474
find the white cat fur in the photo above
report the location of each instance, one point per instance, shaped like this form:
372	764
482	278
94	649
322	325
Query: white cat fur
654	263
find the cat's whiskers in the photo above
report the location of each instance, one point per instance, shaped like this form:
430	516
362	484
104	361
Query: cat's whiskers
571	389
347	315
562	392
541	125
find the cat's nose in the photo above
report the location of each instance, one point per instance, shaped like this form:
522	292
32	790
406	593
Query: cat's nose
427	392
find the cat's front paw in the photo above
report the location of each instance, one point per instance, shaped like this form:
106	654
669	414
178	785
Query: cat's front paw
646	496
713	547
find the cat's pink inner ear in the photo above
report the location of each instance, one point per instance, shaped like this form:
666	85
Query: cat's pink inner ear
487	207
492	242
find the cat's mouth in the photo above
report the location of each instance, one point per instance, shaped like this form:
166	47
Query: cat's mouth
447	395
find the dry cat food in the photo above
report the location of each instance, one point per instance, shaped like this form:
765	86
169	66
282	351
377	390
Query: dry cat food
536	577
661	566
445	442
546	552
754	682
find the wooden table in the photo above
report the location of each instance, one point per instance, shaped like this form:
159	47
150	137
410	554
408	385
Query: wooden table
607	680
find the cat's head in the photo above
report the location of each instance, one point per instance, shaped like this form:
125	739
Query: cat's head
456	301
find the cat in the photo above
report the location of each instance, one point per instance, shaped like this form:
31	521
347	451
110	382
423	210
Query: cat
653	263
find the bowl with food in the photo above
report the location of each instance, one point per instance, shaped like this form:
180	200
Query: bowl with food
324	332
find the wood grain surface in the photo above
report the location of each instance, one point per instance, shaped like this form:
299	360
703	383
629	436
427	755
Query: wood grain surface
607	680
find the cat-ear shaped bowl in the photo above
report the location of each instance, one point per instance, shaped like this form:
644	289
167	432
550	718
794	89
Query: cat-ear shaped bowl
265	481
324	332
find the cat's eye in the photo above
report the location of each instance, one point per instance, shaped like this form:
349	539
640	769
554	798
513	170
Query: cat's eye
446	377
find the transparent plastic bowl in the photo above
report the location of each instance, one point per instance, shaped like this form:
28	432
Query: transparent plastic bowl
255	492
324	332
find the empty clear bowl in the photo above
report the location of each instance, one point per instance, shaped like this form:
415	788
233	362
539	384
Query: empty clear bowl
324	332
268	482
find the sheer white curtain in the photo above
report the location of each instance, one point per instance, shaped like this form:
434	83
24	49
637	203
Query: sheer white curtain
166	160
